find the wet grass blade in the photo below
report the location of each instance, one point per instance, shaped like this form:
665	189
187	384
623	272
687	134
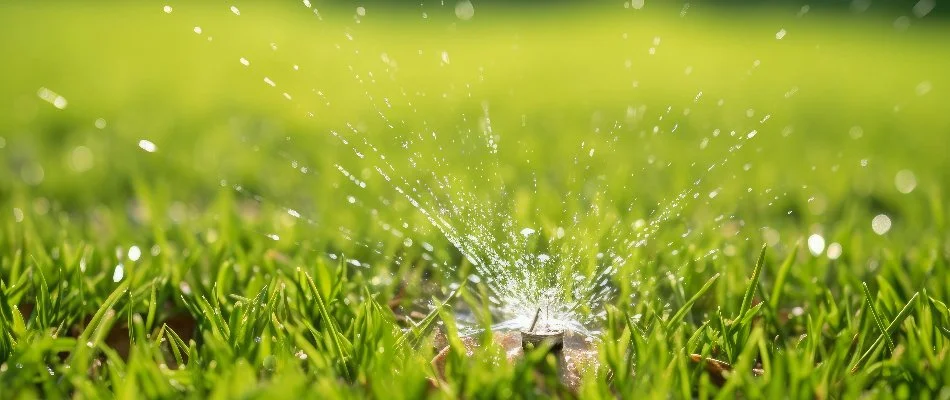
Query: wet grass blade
782	275
885	335
671	323
750	291
423	326
877	317
334	332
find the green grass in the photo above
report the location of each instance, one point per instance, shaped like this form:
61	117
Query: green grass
215	308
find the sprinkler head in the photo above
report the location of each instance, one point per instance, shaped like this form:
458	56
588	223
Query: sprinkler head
553	339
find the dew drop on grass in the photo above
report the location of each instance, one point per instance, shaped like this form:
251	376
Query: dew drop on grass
527	232
100	123
244	62
235	10
816	244
881	224
118	273
197	30
780	34
167	9
905	181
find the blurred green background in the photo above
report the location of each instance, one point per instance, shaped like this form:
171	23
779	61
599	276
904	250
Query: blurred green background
838	86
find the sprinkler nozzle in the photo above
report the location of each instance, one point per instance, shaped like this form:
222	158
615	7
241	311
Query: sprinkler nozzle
553	339
534	322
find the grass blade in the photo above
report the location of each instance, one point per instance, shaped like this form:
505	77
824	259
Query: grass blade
670	324
877	317
904	312
750	291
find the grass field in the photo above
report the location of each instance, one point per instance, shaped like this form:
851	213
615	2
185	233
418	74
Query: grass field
133	274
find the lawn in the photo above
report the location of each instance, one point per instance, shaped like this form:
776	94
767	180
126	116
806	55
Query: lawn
270	200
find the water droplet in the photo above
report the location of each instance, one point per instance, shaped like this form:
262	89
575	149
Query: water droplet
147	146
445	57
881	224
816	244
804	10
17	214
51	97
361	11
905	181
118	273
235	10
197	30
527	232
80	159
923	7
464	10
856	132
834	251
780	34
244	62
134	253
270	82
637	4
32	174
860	5
167	9
100	123
902	23
923	88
